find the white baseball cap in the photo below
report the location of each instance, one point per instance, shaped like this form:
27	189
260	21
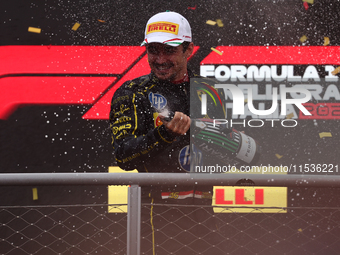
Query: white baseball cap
169	28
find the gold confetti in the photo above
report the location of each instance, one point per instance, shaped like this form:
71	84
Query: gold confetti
325	41
35	193
308	1
300	229
289	116
219	23
211	22
336	70
325	134
303	38
217	51
34	30
102	21
75	26
278	156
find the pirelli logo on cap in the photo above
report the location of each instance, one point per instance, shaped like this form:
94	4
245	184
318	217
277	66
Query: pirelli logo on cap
163	26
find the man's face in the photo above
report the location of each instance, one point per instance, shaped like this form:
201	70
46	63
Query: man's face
168	62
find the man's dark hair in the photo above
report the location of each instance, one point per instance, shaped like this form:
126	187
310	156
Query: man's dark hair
185	46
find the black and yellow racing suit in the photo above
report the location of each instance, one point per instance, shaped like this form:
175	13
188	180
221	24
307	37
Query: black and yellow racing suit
141	142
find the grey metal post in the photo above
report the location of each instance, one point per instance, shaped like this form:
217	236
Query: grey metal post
134	220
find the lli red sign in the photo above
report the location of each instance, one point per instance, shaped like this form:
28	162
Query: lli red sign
240	198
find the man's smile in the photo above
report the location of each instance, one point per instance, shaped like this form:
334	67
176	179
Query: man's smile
163	67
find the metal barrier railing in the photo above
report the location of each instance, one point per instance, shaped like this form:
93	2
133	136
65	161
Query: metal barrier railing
284	180
90	229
